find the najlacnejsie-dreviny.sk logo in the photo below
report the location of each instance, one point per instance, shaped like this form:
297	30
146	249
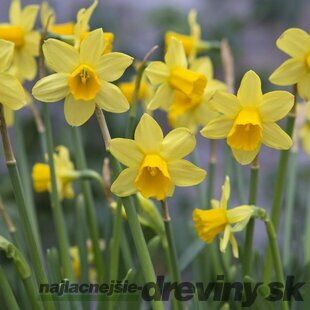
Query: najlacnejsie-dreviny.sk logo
220	290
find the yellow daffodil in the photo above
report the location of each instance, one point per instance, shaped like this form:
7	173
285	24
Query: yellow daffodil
305	131
248	120
155	164
210	223
64	168
193	112
26	41
296	70
48	16
12	94
192	43
81	28
173	75
83	78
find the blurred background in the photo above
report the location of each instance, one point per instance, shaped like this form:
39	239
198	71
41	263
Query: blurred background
251	27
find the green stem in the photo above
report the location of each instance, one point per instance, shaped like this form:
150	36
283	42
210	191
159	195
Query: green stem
55	202
289	214
247	256
280	182
36	256
274	248
89	203
25	176
31	293
172	250
211	172
7	293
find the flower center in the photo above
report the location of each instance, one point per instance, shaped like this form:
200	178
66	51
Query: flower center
153	179
246	133
209	223
84	83
188	82
14	34
187	41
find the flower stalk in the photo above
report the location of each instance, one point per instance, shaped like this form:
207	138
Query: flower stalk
247	257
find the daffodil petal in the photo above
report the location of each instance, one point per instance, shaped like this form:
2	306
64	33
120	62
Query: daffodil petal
124	185
184	173
276	105
224	241
245	157
12	93
91	47
32	42
175	56
217	128
289	73
234	246
275	137
78	112
6	54
148	134
250	90
178	143
51	88
225	103
29	16
111	99
303	87
60	56
15	12
203	65
157	72
112	66
162	98
294	42
26	65
239	216
126	151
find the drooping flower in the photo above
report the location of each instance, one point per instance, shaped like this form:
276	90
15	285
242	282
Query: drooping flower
296	70
26	41
192	43
48	16
12	94
173	75
83	78
64	168
81	28
248	120
210	223
193	112
155	164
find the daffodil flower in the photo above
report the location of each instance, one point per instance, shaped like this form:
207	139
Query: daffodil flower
248	120
41	174
296	70
173	75
26	41
83	78
12	94
192	43
155	164
210	223
48	16
192	112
